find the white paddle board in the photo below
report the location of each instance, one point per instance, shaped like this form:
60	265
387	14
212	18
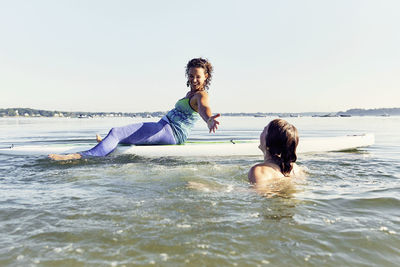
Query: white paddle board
204	148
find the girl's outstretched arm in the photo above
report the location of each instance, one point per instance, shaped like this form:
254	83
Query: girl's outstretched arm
204	110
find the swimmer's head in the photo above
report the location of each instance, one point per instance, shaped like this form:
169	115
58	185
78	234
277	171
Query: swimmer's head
199	73
280	140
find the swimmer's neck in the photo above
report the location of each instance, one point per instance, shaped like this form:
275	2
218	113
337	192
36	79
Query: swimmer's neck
268	158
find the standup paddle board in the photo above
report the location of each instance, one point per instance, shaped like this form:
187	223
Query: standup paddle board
205	148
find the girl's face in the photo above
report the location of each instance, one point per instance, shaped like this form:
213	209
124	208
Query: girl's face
197	78
263	138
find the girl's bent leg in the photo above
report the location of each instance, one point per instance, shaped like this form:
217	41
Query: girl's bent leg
110	142
149	133
152	133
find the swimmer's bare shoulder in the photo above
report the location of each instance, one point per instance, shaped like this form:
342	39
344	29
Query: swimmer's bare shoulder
297	171
262	172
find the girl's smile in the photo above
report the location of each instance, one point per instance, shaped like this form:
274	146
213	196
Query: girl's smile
197	78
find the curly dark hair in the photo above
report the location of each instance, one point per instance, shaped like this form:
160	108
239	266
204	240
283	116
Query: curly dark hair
282	140
200	63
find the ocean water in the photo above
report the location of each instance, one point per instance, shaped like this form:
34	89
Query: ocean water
128	210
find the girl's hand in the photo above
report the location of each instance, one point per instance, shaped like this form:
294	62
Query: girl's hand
212	123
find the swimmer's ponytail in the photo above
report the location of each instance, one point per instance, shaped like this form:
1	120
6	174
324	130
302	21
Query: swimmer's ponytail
282	139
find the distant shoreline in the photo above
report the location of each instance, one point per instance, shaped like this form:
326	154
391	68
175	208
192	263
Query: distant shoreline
28	112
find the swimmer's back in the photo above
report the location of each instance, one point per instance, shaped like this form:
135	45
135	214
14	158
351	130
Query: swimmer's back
261	173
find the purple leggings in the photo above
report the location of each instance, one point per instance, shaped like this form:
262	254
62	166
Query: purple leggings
147	133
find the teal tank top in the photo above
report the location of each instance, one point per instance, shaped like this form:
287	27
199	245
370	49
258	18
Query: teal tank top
182	119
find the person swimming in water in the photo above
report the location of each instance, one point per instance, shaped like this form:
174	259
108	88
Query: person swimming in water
173	128
278	142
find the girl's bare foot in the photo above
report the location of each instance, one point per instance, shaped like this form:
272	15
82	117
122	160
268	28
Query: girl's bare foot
98	138
65	157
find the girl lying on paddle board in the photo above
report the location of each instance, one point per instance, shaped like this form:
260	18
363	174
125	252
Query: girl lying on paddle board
173	128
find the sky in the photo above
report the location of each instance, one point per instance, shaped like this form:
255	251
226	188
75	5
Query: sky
268	56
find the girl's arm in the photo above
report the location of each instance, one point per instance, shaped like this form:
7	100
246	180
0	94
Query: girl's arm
203	108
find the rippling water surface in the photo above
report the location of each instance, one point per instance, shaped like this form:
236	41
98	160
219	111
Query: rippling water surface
128	210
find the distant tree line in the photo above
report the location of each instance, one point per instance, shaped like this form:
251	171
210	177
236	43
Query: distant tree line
28	112
372	112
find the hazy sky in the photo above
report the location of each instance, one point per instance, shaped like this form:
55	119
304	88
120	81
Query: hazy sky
269	56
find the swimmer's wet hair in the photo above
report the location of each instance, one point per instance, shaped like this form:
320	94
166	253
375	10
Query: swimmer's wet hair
200	63
282	140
